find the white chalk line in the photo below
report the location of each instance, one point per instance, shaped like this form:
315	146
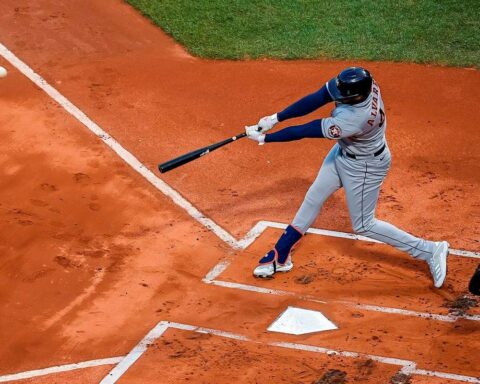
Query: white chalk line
125	155
162	186
261	226
269	291
135	353
407	366
405	312
364	307
60	368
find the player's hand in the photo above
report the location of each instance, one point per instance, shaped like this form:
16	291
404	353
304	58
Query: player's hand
268	122
253	133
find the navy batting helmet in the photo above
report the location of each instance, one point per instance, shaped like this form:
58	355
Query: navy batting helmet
351	86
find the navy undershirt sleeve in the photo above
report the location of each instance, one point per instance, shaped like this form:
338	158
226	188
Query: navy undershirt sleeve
306	105
312	129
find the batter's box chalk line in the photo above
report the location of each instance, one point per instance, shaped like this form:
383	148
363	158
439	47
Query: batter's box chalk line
208	223
212	276
60	368
405	366
123	363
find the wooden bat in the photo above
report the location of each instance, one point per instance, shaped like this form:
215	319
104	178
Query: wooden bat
190	156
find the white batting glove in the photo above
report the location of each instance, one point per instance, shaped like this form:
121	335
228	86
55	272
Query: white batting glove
268	122
254	134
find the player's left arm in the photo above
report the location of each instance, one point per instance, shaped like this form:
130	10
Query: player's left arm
312	129
333	128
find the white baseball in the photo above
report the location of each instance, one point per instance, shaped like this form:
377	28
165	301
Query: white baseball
3	72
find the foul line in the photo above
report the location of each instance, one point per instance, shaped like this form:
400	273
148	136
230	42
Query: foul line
60	368
125	155
406	366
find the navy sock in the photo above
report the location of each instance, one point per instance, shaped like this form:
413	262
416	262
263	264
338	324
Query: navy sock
283	247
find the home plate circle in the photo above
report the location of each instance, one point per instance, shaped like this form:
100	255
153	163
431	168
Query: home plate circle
298	321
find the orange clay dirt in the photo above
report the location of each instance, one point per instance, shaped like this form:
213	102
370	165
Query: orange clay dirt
93	256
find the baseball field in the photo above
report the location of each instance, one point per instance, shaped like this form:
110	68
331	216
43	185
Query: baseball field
112	272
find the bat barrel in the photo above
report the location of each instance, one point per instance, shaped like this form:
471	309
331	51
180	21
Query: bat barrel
186	158
181	160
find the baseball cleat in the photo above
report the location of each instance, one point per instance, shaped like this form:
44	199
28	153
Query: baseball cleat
437	263
268	270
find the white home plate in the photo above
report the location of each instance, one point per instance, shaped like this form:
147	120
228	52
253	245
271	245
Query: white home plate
297	321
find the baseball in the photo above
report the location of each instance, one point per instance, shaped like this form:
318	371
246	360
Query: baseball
3	72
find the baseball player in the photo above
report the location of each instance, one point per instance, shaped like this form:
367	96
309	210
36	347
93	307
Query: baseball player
358	162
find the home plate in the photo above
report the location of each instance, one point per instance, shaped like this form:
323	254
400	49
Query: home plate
297	321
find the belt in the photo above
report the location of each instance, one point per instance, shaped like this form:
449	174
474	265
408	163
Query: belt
352	156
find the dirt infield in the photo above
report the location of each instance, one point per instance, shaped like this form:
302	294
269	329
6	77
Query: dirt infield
93	256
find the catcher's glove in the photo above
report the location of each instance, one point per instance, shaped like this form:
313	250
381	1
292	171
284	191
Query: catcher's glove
474	286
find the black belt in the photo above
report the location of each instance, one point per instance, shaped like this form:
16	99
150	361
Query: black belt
379	152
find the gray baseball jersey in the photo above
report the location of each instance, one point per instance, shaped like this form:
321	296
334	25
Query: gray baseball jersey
359	128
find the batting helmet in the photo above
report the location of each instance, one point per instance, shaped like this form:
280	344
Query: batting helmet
351	86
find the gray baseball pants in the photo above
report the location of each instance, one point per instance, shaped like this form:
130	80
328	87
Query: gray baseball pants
361	179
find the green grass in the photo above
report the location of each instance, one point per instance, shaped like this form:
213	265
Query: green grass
425	31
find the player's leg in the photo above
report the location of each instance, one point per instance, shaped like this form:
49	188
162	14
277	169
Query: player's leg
326	183
278	259
362	181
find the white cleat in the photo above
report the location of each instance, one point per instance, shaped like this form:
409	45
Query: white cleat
438	263
269	269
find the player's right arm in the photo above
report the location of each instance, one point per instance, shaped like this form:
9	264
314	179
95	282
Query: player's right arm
302	107
333	128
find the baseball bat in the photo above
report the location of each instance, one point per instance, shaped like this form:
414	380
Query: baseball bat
190	156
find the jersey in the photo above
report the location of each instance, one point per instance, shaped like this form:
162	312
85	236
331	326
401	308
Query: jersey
359	128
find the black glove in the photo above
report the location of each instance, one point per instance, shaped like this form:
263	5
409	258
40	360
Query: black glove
474	286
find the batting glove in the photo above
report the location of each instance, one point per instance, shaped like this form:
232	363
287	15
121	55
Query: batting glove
254	134
268	122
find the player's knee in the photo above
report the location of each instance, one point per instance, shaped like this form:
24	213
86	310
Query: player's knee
363	225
